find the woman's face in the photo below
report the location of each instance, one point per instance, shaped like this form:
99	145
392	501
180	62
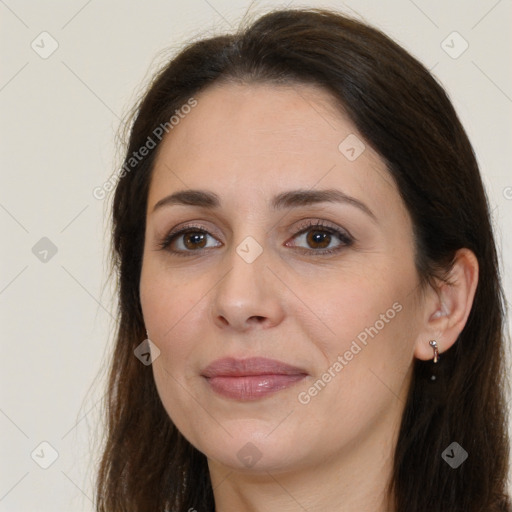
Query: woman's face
298	252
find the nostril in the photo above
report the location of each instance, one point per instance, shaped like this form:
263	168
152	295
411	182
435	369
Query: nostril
224	320
257	318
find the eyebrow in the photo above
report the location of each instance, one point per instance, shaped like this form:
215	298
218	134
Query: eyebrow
290	199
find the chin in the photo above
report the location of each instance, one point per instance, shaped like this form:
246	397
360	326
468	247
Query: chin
255	450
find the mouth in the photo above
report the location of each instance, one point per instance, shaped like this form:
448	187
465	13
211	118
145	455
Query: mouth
250	379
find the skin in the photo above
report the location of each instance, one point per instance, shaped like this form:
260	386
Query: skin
247	143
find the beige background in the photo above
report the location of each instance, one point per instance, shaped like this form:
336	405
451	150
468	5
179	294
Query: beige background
59	113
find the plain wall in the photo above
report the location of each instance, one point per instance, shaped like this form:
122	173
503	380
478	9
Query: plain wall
59	115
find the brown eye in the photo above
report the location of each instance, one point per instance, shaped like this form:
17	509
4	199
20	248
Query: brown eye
318	239
187	240
194	239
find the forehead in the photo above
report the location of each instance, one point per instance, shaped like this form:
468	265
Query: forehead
257	139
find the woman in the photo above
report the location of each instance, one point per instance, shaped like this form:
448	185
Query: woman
302	234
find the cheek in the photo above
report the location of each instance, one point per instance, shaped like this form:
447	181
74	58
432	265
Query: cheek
354	305
367	362
167	296
173	309
369	343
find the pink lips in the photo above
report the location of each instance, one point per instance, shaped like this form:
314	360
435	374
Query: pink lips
250	379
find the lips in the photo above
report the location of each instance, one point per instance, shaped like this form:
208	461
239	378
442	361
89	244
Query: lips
250	379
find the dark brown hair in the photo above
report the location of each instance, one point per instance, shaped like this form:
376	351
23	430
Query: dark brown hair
406	116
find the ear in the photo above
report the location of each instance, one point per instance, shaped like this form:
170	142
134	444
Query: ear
447	307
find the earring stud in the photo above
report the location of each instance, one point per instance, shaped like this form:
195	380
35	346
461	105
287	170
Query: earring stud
433	344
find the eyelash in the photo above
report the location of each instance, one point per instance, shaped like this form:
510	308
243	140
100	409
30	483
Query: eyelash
346	239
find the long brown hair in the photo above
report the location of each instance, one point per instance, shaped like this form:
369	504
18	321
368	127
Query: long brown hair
406	116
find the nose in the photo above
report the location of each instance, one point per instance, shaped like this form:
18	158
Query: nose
249	296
